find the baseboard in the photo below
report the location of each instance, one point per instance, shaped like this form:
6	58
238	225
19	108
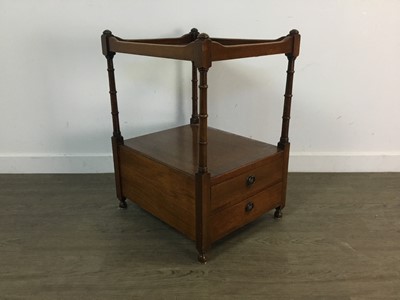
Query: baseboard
299	162
57	163
344	162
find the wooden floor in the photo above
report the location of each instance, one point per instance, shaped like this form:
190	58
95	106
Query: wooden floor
62	237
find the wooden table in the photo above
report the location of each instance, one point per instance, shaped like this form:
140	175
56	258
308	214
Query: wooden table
202	181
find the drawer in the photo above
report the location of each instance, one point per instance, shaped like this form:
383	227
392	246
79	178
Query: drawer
233	217
247	183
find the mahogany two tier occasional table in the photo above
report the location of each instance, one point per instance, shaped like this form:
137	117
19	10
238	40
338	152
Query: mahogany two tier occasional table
202	181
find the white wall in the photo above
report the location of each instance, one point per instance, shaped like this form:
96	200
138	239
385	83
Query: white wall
55	112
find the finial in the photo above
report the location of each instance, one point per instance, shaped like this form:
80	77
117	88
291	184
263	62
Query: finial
107	32
203	36
294	31
194	33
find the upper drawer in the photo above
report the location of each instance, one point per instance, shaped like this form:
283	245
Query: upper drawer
249	182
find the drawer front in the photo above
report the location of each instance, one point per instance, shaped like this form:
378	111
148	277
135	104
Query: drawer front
247	183
231	218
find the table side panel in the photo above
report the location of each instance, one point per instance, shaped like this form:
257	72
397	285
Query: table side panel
161	190
221	52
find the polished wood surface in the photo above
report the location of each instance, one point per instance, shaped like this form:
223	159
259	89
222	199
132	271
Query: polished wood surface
185	175
224	221
184	47
253	180
243	50
116	139
178	147
158	173
62	237
161	190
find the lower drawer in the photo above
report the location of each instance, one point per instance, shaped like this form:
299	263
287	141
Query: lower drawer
249	182
231	218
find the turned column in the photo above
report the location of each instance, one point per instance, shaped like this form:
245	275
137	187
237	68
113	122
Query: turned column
203	63
203	121
287	102
116	138
284	140
202	175
284	143
195	115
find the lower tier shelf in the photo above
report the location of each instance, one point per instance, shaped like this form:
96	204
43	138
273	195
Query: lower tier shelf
157	171
178	148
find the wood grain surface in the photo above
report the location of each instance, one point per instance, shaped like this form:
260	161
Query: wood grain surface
62	237
165	192
178	147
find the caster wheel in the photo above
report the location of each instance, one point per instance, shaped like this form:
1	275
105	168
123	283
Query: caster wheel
202	258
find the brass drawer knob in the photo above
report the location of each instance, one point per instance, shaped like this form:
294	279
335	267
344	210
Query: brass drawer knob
250	180
249	206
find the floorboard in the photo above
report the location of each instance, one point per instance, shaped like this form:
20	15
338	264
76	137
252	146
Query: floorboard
62	237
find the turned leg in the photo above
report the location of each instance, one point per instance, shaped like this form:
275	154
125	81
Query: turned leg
203	197
117	140
278	213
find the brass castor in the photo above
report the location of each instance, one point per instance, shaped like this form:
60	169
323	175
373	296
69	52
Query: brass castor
202	258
